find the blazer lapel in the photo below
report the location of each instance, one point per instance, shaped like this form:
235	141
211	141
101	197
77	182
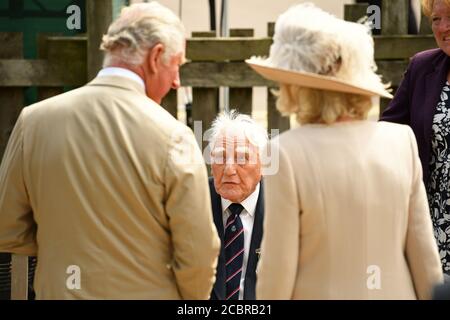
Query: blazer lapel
434	82
219	285
119	82
255	245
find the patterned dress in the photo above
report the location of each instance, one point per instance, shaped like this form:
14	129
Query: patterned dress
439	185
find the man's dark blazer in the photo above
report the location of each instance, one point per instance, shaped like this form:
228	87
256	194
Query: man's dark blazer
416	99
219	290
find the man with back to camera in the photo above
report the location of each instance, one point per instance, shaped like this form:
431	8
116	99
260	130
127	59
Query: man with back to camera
106	187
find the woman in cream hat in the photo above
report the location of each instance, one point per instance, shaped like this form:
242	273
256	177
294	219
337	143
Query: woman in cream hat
346	212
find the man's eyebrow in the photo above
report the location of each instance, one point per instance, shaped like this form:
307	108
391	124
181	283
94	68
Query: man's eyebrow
218	150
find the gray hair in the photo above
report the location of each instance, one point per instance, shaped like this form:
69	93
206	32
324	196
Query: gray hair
140	27
232	123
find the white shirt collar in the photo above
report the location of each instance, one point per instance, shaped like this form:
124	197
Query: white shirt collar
121	72
249	203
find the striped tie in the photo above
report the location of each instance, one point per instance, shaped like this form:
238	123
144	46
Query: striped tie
234	251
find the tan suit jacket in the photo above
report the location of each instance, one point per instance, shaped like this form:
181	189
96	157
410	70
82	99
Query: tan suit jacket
104	179
347	216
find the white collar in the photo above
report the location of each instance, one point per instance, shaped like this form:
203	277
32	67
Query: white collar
249	203
121	72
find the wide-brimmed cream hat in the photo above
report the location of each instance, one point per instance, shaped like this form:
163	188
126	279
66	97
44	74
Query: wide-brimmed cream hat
314	49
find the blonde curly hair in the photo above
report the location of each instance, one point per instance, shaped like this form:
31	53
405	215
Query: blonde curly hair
140	27
320	106
427	6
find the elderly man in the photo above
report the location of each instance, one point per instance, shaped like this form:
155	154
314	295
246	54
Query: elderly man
104	186
237	202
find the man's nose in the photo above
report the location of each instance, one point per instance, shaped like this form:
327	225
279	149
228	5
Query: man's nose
176	82
230	169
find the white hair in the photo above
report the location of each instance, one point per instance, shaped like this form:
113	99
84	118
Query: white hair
308	39
234	124
140	27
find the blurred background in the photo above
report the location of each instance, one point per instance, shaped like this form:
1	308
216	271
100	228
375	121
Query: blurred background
242	13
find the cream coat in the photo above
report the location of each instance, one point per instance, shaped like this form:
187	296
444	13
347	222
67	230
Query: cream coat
104	179
347	216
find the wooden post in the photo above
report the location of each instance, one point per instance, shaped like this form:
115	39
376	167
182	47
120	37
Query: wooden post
354	12
394	17
241	98
170	103
19	277
394	21
205	101
46	92
425	25
11	99
100	14
274	119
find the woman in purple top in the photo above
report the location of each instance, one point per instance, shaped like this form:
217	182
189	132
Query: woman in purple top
423	102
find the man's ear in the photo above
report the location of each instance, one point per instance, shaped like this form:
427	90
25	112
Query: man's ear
155	54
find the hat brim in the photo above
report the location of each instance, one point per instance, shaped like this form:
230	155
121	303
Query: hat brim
312	80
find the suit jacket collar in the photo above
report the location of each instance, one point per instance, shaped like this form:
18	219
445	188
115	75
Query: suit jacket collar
118	82
219	289
440	60
253	257
434	82
121	72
